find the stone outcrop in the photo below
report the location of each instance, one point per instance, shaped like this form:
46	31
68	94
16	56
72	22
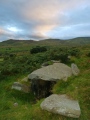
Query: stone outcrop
61	104
55	72
21	87
43	79
75	69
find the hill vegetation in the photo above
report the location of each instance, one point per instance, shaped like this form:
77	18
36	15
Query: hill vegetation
17	61
74	41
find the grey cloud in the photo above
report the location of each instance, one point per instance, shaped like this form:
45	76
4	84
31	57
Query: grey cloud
39	19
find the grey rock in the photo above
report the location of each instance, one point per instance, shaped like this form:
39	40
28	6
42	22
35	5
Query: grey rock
15	104
55	61
21	87
45	64
75	69
61	104
69	57
55	72
25	79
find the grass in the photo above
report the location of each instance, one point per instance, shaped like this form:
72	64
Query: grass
1	59
29	108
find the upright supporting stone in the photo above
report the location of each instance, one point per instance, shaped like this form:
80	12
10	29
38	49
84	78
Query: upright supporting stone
75	69
21	87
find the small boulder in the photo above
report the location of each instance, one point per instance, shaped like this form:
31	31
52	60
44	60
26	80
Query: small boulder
61	104
45	64
69	57
75	69
21	87
15	104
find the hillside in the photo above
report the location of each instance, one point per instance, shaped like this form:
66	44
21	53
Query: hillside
74	42
79	41
13	42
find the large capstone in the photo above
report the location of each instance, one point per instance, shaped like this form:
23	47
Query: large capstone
61	104
43	79
55	72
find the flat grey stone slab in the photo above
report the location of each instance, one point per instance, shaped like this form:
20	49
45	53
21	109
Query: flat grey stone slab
61	104
54	72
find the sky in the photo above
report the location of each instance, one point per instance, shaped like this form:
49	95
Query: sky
42	19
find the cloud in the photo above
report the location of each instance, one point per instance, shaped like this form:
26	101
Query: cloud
39	19
70	31
4	32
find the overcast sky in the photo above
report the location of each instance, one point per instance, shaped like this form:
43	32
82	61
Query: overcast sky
41	19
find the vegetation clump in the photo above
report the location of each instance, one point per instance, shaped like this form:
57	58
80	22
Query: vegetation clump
38	49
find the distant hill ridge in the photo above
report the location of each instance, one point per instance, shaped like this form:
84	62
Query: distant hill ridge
74	41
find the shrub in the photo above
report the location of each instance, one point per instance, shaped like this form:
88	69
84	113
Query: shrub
12	55
59	55
38	49
74	52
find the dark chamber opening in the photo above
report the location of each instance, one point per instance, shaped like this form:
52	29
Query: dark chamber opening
42	88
